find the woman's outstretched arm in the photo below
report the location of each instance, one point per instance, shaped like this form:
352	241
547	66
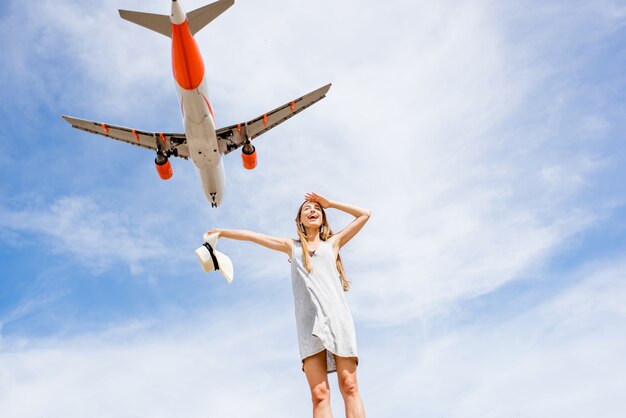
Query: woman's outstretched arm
344	236
273	243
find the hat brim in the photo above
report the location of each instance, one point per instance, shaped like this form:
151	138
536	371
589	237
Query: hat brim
224	262
226	266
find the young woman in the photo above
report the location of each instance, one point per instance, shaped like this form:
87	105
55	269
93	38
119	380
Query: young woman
325	328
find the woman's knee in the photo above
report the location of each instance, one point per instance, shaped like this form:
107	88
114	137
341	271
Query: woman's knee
348	385
320	394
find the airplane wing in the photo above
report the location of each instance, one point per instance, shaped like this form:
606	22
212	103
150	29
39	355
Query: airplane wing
233	137
157	141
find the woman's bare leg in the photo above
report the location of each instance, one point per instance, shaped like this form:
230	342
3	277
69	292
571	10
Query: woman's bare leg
346	375
316	375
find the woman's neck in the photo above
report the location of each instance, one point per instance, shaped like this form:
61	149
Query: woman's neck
312	234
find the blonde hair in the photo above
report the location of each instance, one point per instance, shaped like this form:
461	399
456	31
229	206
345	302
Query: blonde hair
325	233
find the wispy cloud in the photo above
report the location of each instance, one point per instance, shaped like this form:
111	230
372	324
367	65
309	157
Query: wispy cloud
92	233
480	134
203	367
548	354
196	369
472	174
453	134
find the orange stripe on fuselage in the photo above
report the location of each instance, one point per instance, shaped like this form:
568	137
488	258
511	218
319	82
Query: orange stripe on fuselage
210	108
187	62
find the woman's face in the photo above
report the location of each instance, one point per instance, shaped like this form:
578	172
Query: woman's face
311	215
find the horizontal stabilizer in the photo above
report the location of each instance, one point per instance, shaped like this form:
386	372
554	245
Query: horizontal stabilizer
157	23
201	17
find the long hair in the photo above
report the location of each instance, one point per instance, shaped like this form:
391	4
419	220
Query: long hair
325	233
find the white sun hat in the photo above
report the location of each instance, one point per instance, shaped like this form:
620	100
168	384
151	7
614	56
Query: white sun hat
210	259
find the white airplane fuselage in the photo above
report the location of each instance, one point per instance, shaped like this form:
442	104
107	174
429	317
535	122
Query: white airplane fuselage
202	141
197	112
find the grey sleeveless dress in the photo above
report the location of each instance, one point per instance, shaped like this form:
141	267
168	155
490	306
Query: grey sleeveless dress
323	319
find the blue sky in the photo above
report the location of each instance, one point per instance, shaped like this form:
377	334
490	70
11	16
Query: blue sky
486	137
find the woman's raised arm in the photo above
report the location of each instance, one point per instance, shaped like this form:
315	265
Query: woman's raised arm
283	245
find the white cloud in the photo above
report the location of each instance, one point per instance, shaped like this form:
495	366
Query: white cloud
118	61
441	119
94	234
207	367
433	136
561	357
450	125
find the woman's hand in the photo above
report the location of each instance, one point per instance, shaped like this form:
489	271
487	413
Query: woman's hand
314	197
215	231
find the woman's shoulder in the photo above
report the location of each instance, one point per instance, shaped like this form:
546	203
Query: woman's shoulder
334	243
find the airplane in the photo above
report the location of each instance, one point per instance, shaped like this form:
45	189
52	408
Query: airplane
201	141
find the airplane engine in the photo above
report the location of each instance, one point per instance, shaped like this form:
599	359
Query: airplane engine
163	167
248	155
